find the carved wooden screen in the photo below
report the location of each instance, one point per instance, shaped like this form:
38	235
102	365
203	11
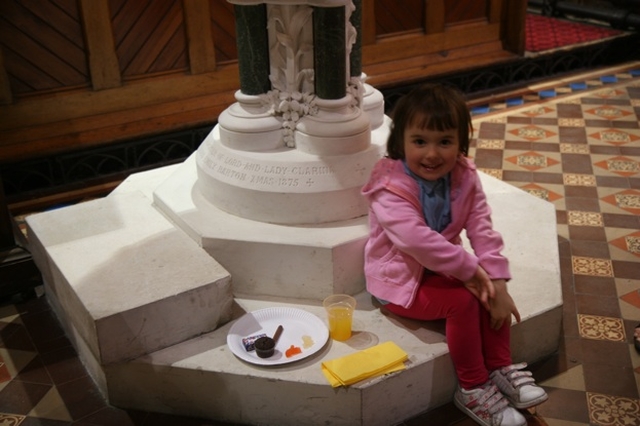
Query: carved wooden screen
224	31
457	11
393	17
42	45
149	36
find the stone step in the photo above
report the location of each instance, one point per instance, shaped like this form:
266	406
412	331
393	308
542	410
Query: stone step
125	278
203	378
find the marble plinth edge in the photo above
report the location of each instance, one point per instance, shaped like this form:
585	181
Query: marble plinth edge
202	378
129	281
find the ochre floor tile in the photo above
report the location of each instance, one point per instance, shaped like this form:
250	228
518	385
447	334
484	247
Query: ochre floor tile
572	379
541	191
11	419
611	410
574	148
625	245
592	266
51	406
15	360
577	218
565	405
573	179
601	328
20	397
629	291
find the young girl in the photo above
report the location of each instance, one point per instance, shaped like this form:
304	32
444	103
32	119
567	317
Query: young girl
421	197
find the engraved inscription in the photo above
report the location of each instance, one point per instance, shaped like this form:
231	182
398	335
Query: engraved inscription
252	173
230	173
252	167
311	170
275	170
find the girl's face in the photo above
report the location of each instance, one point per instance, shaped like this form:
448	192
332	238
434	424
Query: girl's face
430	154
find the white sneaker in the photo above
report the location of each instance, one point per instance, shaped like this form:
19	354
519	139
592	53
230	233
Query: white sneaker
488	407
518	386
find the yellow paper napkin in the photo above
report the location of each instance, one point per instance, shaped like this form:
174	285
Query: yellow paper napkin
375	361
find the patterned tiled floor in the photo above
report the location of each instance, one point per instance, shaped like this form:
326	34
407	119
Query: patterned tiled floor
578	147
574	143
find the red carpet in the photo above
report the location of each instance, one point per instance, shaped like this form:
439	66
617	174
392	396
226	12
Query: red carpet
544	33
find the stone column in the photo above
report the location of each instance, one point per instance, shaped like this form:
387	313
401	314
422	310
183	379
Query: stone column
355	59
253	48
339	127
300	152
241	122
330	66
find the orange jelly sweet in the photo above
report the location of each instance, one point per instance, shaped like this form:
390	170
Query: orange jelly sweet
293	350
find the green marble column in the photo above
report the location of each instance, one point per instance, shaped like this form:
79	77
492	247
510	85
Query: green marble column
330	62
253	48
355	59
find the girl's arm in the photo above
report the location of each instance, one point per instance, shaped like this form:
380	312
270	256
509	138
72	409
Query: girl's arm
502	305
486	242
481	286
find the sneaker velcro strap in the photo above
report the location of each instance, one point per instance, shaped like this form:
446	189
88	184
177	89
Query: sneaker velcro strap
520	366
516	382
516	377
491	400
518	386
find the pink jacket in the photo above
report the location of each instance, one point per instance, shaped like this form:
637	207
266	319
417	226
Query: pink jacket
401	245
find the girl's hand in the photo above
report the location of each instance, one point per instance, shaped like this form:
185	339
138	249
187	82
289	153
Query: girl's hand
502	306
482	287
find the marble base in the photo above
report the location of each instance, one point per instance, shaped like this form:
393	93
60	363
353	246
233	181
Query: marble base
265	259
200	376
288	186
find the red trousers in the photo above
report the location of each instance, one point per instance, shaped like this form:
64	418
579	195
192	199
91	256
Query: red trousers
476	349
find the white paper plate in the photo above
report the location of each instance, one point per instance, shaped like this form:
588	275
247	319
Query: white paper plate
299	326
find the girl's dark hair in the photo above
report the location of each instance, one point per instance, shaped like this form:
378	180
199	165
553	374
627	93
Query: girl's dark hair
438	108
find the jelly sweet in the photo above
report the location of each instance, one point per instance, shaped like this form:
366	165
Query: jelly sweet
292	351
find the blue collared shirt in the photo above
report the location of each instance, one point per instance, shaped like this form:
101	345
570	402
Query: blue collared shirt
435	199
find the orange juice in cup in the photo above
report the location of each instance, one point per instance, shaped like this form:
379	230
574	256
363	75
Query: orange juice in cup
339	309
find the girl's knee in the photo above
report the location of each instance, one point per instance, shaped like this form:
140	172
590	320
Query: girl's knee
465	300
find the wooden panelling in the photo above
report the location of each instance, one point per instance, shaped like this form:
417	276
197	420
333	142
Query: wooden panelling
134	110
512	15
398	17
434	16
101	53
43	46
458	11
392	49
368	22
149	35
223	31
156	66
416	68
201	52
496	7
6	97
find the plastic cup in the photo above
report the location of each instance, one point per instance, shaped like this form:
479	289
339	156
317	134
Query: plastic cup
340	309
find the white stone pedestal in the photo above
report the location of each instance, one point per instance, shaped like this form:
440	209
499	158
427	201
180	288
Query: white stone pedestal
112	238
